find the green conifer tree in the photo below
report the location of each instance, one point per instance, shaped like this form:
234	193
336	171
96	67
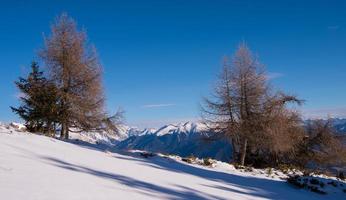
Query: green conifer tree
39	101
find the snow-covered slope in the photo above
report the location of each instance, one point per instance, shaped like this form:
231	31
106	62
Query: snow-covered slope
34	167
182	139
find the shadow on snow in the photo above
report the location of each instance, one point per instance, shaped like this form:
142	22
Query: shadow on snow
259	187
247	185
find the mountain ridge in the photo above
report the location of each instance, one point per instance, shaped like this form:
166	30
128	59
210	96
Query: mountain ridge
192	138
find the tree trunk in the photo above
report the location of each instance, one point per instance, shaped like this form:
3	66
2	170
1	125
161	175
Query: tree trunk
49	129
243	152
234	152
66	133
54	129
62	132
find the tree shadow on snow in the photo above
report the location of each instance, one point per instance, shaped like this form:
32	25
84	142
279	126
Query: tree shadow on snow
247	185
232	183
185	193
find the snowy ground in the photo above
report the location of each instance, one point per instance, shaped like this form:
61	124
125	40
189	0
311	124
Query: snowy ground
38	167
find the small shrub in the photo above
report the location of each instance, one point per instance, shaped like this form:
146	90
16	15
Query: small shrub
341	176
189	159
207	161
286	168
186	160
306	173
237	166
245	168
269	171
249	169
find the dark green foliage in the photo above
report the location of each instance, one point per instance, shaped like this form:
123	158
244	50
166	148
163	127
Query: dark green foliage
39	99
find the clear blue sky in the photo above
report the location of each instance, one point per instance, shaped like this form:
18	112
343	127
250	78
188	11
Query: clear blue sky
160	57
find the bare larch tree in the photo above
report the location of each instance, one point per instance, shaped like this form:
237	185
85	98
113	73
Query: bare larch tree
242	106
322	146
74	67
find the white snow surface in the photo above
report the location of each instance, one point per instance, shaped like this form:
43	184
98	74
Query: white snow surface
35	167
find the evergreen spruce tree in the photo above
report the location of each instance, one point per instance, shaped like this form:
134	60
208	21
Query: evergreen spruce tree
39	101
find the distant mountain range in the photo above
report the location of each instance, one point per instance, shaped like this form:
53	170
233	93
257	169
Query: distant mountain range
186	139
183	139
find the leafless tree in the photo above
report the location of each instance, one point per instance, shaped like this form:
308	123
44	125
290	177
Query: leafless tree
281	130
244	108
74	67
219	113
322	146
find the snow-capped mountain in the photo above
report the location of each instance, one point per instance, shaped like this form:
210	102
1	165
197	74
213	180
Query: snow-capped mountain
125	131
183	139
188	138
181	128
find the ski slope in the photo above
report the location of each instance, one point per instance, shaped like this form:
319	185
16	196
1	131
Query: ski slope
34	167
